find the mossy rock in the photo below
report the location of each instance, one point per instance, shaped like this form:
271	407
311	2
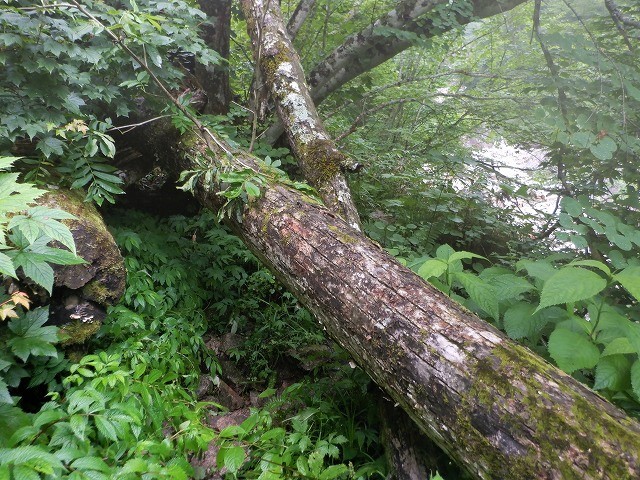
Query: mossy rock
102	278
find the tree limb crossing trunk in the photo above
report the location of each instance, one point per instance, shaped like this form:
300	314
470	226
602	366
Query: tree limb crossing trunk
319	159
493	405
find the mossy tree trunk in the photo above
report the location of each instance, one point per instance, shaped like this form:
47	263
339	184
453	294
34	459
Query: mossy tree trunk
319	159
491	404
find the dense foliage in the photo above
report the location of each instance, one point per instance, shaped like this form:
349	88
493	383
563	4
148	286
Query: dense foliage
542	241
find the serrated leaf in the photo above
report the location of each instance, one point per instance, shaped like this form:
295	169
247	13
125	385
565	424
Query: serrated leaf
6	266
22	455
570	285
5	396
38	271
231	457
303	466
520	322
629	278
572	351
483	294
106	428
612	372
91	463
509	286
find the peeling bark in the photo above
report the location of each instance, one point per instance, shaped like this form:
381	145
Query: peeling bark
369	47
319	159
493	405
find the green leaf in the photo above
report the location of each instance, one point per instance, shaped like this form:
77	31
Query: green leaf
91	463
38	271
509	286
538	269
252	189
612	372
463	255
31	337
6	266
231	457
619	346
5	397
571	206
334	471
635	377
483	294
592	263
572	351
303	466
604	149
432	268
22	455
520	321
570	285
106	428
629	278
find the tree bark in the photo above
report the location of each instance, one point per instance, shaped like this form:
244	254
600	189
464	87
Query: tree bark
493	405
214	79
300	14
319	159
371	47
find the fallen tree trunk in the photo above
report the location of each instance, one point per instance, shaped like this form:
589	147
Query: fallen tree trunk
493	405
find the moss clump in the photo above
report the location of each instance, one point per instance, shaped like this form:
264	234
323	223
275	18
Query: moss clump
78	332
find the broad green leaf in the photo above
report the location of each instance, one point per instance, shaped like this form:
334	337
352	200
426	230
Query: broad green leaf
7	162
629	278
635	377
5	397
303	466
612	372
521	322
592	263
572	351
571	206
462	256
432	268
444	252
252	189
537	269
334	471
509	286
570	285
483	294
619	346
604	149
91	463
231	457
22	455
106	428
38	271
6	266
